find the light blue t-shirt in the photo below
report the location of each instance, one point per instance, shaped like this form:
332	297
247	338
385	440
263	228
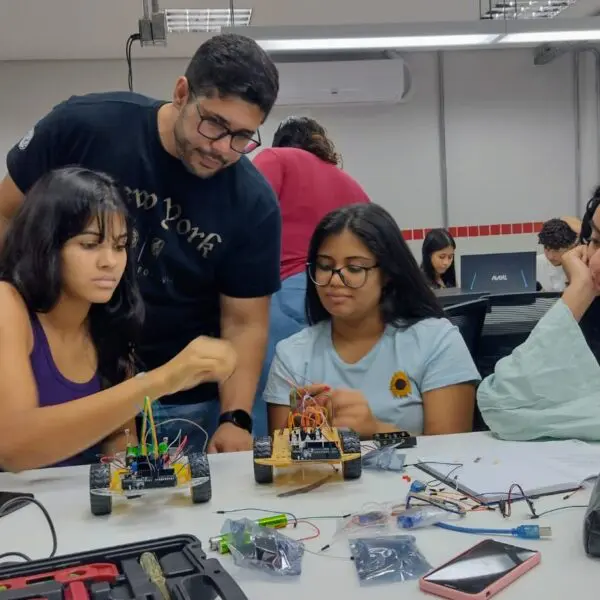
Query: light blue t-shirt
404	364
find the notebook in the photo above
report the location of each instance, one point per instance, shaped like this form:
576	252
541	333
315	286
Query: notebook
540	468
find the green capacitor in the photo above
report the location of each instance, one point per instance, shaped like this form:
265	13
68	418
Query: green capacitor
162	448
275	521
132	450
219	542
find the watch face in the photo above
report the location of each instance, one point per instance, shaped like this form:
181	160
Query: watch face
238	417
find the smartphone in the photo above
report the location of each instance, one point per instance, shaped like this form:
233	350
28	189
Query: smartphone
480	572
6	496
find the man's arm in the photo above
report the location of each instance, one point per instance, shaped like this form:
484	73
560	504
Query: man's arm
245	324
247	278
10	200
52	143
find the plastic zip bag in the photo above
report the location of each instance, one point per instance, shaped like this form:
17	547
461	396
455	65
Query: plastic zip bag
384	459
262	548
388	559
372	519
424	516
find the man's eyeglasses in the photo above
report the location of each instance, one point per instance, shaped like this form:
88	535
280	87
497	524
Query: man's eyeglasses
239	141
352	276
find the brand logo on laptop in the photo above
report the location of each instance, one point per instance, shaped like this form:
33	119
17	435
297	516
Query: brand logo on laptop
500	277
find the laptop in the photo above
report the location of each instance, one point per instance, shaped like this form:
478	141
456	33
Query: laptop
449	296
502	273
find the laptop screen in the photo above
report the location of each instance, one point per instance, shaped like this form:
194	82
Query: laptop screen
503	273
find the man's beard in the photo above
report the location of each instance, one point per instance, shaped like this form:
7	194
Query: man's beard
185	149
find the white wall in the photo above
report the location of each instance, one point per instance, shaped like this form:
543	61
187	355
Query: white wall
510	134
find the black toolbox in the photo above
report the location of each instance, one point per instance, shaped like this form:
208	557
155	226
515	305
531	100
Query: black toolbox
116	574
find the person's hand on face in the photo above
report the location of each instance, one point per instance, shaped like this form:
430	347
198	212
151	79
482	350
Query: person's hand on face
575	265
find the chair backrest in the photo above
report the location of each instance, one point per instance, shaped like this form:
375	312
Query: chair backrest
469	317
511	319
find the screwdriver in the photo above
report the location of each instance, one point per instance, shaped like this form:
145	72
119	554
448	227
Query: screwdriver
219	544
151	566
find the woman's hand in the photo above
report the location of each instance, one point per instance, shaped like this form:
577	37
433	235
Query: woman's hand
575	265
346	408
203	359
582	290
349	408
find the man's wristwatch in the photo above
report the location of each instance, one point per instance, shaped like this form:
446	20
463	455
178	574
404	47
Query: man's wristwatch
239	418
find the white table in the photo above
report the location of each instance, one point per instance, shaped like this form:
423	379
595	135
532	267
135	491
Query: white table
565	571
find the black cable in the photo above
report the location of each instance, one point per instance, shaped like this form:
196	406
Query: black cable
134	37
546	512
28	499
231	9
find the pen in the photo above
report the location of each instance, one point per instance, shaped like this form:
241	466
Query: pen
219	544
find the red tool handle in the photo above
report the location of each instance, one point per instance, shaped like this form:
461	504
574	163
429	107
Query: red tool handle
76	591
94	572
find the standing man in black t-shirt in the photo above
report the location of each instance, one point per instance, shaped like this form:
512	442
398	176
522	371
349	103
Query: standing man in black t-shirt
207	225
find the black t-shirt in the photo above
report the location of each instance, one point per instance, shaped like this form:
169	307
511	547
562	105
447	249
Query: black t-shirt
194	238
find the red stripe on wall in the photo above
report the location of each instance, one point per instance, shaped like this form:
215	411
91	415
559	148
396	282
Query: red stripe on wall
469	231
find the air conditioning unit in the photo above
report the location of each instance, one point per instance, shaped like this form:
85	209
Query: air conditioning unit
343	82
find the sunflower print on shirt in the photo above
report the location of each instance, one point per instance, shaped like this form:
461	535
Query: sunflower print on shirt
400	384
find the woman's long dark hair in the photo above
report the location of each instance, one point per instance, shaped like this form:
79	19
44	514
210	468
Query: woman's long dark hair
435	240
405	297
57	208
590	322
306	134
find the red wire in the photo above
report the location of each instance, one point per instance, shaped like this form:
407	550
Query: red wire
310	537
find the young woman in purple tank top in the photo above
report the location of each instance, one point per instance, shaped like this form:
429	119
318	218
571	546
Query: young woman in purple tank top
70	311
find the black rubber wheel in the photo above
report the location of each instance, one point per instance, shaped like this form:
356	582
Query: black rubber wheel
263	448
350	442
199	467
100	480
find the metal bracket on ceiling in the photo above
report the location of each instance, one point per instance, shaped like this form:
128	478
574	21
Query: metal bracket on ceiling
546	53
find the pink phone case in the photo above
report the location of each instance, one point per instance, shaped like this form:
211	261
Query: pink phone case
488	592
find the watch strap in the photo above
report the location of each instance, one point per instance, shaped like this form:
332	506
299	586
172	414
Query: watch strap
240	418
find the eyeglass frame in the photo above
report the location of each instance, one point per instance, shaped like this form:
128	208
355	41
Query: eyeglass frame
338	272
226	130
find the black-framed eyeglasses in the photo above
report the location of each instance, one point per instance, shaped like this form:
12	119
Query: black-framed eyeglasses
352	276
212	129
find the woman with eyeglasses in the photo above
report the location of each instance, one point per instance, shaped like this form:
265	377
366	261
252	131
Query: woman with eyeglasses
379	352
304	170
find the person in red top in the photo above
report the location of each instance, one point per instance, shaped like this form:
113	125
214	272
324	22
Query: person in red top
305	172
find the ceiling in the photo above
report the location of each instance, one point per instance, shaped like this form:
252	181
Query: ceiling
97	29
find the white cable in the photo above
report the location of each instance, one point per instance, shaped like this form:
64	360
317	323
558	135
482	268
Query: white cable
191	423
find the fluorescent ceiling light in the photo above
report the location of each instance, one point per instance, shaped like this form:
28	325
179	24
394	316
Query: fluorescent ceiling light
195	20
535	37
526	9
375	43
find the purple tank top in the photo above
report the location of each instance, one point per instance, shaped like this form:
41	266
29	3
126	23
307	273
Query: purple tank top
54	388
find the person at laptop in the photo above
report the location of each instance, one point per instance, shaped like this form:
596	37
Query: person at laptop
379	349
438	252
548	386
557	236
